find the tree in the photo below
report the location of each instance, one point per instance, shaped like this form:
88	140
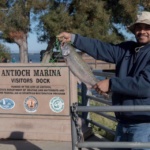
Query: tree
145	4
51	23
15	22
94	18
95	22
15	19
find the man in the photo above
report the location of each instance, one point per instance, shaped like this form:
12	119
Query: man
131	86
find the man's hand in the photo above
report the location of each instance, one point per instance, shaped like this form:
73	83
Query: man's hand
102	86
64	37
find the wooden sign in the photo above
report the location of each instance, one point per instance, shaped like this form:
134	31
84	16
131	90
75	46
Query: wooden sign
37	95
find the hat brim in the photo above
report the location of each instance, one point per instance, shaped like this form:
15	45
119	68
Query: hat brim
132	26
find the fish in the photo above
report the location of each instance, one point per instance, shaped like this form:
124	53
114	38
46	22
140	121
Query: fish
79	67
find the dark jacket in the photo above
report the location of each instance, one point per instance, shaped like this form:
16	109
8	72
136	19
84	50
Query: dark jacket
131	86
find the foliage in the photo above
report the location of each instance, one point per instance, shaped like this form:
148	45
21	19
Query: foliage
4	52
53	22
146	4
122	11
94	18
89	18
15	18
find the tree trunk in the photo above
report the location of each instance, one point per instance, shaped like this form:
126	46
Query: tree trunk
23	48
51	44
49	51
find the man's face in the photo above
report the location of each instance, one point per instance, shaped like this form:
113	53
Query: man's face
142	33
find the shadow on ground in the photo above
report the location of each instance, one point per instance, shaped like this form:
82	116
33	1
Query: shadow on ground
16	140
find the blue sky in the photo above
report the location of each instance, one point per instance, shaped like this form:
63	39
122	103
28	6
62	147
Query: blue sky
33	45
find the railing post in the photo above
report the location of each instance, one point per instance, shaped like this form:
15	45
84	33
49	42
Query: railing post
85	102
84	99
73	133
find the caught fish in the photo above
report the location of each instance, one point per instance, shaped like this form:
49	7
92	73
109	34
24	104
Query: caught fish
78	67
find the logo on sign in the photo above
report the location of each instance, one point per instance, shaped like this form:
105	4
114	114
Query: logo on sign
56	104
31	104
7	103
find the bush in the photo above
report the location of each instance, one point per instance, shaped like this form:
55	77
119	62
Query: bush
4	53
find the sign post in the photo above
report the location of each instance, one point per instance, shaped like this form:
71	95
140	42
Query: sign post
35	100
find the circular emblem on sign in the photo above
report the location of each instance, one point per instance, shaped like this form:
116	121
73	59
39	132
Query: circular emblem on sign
56	104
31	104
7	103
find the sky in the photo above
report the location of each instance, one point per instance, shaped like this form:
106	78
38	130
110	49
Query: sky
33	45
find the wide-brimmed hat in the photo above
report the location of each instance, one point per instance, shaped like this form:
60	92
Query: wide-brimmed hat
143	17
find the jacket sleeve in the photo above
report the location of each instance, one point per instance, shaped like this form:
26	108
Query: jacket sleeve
138	86
98	49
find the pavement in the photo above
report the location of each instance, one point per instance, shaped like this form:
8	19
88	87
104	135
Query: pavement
33	145
42	145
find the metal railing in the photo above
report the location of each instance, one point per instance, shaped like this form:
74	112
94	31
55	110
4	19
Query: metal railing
77	142
84	108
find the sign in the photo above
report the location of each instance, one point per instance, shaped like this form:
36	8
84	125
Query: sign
34	88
